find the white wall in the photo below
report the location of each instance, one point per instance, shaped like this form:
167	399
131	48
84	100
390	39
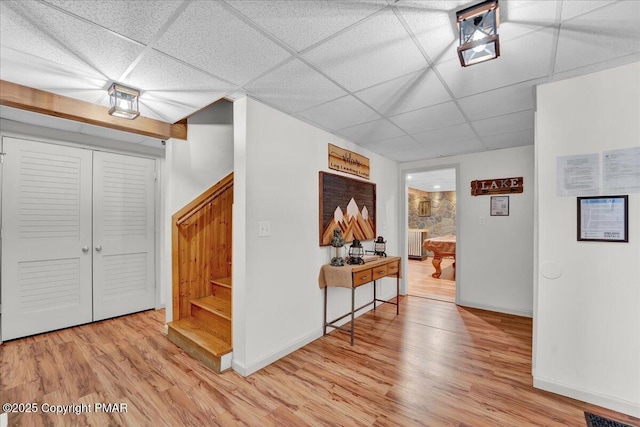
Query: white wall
191	167
277	305
587	321
494	267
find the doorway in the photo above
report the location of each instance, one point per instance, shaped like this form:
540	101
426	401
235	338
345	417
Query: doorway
431	217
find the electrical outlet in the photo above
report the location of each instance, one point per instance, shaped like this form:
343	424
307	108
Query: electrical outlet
481	220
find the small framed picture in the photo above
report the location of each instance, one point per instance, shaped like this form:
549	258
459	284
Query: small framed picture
424	208
603	218
499	205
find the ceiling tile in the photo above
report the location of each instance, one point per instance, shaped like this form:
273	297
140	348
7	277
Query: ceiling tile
402	143
455	148
301	24
594	68
433	117
210	37
411	155
522	59
434	24
590	38
518	17
432	138
129	18
45	75
506	123
505	100
161	76
331	115
510	139
40	30
371	52
294	87
370	132
162	110
573	8
406	93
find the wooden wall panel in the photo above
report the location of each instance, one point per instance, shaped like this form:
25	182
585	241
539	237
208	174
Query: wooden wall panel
201	245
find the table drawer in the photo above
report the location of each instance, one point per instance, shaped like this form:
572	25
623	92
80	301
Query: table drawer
379	272
362	277
393	268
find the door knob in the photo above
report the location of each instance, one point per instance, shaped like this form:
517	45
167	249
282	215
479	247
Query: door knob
85	249
98	248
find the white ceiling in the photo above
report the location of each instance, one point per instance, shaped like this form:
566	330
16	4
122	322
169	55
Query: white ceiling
381	73
433	181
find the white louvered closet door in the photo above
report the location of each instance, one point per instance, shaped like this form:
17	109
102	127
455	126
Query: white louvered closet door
46	237
123	236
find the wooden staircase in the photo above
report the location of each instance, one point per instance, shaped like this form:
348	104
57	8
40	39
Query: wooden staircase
206	334
202	291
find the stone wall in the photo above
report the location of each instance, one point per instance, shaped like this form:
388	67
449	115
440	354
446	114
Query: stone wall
443	212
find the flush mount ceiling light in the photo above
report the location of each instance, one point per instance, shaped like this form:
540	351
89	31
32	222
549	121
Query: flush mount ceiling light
477	27
123	102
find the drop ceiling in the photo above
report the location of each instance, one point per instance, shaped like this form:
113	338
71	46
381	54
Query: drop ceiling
433	181
383	74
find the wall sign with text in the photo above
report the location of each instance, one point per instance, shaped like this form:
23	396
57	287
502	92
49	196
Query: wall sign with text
347	161
497	186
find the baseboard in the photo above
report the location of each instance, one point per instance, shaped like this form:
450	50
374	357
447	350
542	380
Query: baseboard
515	312
246	370
609	402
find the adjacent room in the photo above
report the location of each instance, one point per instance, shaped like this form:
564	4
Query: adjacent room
432	226
319	212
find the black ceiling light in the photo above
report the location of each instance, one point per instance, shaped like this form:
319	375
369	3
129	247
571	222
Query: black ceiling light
478	30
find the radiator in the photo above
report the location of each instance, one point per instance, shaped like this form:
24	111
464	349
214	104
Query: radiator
416	237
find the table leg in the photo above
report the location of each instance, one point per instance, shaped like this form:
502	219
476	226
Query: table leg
374	295
437	260
353	311
324	332
398	294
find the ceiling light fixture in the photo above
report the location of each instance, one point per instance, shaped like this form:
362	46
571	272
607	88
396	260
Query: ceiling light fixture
123	102
478	30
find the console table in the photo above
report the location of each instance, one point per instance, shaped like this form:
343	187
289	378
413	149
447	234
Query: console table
354	276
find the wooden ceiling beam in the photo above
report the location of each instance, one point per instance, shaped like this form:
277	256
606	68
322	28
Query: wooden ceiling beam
51	104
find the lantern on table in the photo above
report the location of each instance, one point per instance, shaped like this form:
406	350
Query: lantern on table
337	242
356	252
380	246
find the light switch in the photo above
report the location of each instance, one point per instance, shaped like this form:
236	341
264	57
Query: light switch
264	228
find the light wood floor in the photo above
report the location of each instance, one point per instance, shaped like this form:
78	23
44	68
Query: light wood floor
421	284
434	365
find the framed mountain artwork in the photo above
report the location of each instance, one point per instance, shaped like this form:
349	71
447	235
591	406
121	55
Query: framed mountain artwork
348	204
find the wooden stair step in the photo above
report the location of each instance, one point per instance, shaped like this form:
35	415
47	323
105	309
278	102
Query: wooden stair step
225	282
193	337
214	305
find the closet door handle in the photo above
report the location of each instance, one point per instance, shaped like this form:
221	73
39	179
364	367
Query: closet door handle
85	249
98	248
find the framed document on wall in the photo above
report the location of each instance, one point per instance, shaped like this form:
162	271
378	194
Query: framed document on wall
499	205
603	218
